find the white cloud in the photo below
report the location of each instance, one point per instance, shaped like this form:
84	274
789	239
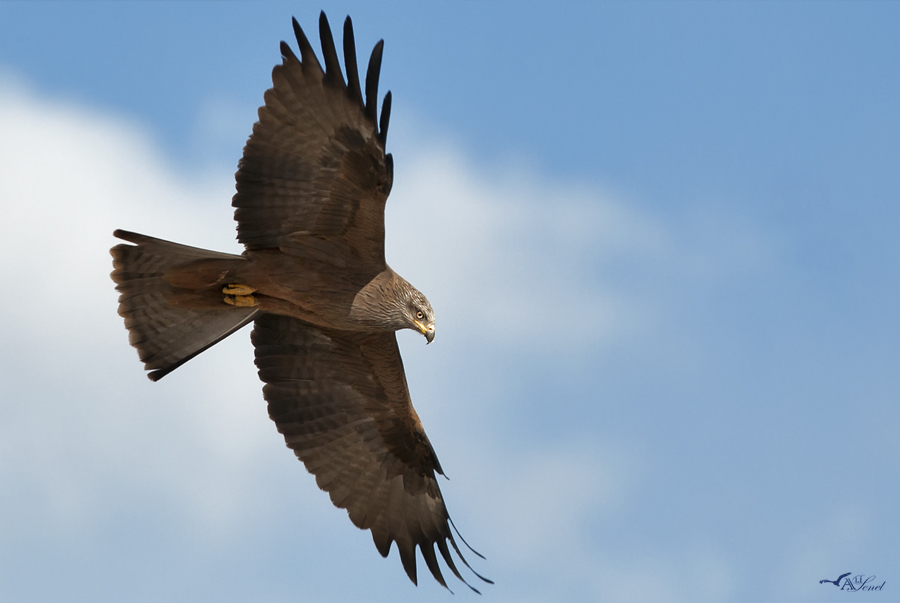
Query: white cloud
85	417
549	501
522	258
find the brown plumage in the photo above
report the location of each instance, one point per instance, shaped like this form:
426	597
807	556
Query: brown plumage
311	190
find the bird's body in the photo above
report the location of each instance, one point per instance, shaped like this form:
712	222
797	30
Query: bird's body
311	191
308	289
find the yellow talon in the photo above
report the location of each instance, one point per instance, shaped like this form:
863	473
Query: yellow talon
241	301
239	296
237	290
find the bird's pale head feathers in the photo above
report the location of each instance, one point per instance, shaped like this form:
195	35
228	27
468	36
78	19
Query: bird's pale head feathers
390	303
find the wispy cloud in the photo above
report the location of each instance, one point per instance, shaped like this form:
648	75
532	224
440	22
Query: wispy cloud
524	259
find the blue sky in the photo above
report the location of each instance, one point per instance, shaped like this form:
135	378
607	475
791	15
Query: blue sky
663	247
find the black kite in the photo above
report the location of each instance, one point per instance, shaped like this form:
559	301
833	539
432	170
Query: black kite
311	190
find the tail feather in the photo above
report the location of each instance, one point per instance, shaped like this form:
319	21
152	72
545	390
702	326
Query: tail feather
166	336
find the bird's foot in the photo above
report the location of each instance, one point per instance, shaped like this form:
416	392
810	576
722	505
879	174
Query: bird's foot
237	290
240	296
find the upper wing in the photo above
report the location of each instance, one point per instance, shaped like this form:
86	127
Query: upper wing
341	401
314	177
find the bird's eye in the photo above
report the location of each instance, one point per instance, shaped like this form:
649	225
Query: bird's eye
419	315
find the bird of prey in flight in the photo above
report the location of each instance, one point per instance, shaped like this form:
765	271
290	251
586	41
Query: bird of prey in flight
311	190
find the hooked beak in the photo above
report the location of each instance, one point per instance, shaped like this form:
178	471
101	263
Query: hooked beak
427	331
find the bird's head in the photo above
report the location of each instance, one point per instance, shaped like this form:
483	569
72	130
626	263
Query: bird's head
389	302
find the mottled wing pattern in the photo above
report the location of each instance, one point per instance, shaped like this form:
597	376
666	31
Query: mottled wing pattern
314	177
341	401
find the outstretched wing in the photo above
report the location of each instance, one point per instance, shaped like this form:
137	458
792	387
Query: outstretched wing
314	177
341	401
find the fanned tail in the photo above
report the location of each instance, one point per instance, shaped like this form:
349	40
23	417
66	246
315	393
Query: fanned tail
166	335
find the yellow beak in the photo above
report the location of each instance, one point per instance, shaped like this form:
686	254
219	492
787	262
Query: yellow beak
427	331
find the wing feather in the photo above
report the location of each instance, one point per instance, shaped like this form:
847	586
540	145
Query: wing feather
353	89
385	119
333	75
372	75
310	62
